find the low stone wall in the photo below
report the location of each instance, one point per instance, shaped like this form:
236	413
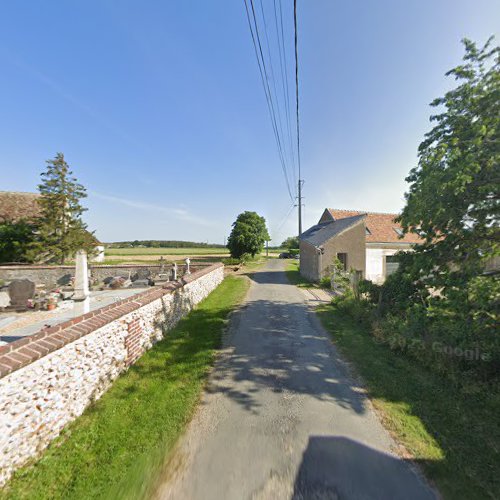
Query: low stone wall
51	276
47	380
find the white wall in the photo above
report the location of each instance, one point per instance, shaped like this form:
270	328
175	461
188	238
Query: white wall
375	258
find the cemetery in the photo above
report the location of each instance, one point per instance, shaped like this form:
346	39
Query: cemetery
50	375
33	297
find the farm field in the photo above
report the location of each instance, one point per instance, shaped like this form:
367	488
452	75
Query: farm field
144	252
117	256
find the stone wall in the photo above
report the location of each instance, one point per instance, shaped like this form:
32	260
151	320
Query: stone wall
51	276
47	380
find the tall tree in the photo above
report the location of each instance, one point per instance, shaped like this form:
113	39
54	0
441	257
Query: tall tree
61	229
248	235
292	242
454	199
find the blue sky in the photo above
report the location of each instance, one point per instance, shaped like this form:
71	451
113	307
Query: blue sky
159	108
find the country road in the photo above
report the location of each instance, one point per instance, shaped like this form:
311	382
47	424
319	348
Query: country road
281	418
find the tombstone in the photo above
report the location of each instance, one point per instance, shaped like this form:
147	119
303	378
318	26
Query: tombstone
81	276
162	265
187	261
20	291
142	274
141	283
173	272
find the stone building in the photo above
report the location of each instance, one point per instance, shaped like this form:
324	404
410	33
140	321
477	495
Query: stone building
363	241
16	206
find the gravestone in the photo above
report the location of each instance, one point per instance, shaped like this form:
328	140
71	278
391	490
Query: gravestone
20	291
142	274
188	262
140	283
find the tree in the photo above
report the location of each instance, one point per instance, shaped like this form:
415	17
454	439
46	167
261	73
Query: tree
291	242
16	241
453	202
61	229
248	235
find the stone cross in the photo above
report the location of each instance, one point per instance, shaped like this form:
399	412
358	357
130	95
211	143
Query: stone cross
187	266
173	275
81	276
162	265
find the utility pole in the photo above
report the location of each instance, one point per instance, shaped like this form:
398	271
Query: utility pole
300	206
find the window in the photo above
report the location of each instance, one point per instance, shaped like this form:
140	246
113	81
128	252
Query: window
343	260
368	232
391	264
398	231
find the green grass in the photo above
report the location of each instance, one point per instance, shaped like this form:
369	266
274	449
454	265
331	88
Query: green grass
118	446
454	436
167	251
294	277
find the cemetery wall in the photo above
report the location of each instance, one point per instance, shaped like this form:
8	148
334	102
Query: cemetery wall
47	380
51	276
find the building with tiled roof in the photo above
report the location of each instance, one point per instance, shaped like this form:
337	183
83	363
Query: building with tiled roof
16	206
365	242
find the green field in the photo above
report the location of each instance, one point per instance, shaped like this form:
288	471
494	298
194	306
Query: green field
167	251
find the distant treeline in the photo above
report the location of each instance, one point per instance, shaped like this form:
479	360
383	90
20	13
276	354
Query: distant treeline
162	244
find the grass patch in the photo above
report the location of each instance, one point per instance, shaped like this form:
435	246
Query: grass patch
294	276
454	436
118	446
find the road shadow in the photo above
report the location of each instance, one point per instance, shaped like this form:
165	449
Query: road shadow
280	346
338	467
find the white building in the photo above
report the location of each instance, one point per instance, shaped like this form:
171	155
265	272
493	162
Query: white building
369	250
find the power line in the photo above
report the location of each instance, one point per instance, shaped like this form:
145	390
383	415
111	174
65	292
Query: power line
254	31
297	113
282	223
280	36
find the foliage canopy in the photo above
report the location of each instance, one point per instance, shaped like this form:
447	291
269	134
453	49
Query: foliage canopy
61	231
454	202
248	235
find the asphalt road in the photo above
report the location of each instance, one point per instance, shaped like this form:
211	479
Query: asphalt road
281	416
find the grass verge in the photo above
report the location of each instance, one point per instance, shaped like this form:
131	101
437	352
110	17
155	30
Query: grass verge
117	447
454	436
294	276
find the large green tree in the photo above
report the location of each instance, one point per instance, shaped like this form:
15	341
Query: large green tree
61	231
453	202
248	235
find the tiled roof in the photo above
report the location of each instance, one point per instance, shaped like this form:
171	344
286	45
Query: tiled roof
320	233
15	206
381	226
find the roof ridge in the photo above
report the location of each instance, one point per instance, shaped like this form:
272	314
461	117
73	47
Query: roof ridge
362	211
20	192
